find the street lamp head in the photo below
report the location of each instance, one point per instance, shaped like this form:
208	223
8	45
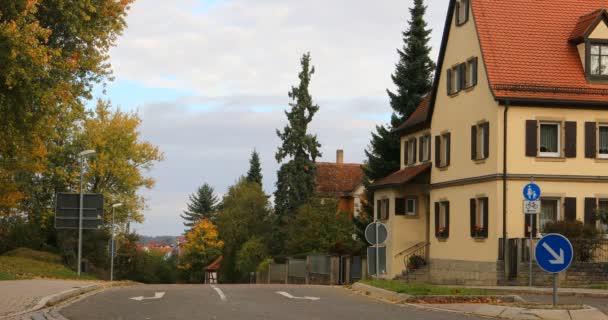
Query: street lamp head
87	153
116	205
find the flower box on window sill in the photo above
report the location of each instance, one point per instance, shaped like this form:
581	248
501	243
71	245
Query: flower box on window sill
442	233
478	233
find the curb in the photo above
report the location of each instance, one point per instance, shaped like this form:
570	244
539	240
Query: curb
544	291
54	299
484	310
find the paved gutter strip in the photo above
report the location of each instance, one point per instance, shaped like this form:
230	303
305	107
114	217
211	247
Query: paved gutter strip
57	298
563	292
481	309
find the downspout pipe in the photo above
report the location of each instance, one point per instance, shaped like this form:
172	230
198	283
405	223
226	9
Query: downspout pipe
504	187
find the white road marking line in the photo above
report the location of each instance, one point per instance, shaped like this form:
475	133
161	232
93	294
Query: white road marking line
157	295
220	293
287	295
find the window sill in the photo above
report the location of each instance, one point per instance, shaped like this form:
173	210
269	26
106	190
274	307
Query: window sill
442	238
480	161
550	159
444	168
454	94
470	88
480	239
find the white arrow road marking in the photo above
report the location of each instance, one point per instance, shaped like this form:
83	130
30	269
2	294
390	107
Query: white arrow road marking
287	295
559	259
157	295
220	293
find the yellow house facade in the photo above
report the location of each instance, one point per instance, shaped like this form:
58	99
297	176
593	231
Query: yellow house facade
513	99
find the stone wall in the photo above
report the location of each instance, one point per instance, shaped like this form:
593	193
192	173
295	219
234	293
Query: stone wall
460	272
579	274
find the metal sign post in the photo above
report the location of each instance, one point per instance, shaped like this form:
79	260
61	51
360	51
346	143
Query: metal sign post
554	254
531	208
376	234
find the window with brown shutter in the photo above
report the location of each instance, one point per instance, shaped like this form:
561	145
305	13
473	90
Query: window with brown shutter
462	12
486	140
379	209
450	82
399	206
602	141
406	152
480	143
570	135
425	148
531	138
590	207
479	217
442	219
438	151
590	140
474	142
570	209
447	143
528	228
471	73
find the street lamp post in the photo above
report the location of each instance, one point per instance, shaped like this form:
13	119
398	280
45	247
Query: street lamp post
116	205
82	156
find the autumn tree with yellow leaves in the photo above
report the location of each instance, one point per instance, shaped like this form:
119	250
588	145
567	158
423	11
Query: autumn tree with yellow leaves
202	246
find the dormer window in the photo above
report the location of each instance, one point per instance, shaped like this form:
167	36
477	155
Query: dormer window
598	60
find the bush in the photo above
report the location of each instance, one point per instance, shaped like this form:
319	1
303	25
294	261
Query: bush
251	254
585	239
264	265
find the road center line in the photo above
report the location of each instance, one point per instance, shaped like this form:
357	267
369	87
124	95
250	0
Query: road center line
219	292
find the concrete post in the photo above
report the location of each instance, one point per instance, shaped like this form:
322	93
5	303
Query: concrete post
268	272
333	270
347	273
363	268
307	277
287	271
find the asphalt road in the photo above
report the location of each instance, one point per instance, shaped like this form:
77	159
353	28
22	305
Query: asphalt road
241	302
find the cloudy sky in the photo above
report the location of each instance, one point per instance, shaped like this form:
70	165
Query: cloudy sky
210	80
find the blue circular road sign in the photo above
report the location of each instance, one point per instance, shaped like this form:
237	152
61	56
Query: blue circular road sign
554	253
531	192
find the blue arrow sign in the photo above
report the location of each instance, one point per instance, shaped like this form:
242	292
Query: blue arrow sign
554	253
531	192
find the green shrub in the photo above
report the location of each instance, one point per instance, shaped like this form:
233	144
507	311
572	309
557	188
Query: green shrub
264	265
585	239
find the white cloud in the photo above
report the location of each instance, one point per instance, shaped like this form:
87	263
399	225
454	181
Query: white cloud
242	56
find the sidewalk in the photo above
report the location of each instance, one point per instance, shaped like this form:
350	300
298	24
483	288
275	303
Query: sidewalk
579	292
22	295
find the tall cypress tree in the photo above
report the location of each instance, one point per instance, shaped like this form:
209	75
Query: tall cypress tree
413	79
202	204
255	168
296	178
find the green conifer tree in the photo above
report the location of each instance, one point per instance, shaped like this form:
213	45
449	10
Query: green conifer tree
296	177
255	169
202	204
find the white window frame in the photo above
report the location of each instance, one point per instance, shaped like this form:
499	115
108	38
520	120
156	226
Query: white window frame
414	205
411	151
480	143
442	214
559	215
479	216
599	154
384	214
559	139
462	13
426	148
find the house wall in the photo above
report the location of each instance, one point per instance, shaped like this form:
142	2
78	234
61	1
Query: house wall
461	258
600	32
404	231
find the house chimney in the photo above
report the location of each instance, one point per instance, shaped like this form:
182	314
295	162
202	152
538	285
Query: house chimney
340	156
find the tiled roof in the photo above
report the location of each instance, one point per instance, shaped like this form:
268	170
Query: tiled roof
527	52
401	177
586	24
215	265
337	180
418	117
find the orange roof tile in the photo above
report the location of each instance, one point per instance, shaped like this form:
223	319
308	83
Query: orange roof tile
337	180
215	265
586	24
401	177
527	51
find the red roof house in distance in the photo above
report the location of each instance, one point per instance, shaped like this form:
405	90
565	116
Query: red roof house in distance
341	181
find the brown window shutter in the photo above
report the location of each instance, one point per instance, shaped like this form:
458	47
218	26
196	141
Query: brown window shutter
399	206
438	151
437	209
474	71
486	216
457	13
590	206
448	148
405	153
462	76
474	142
570	148
473	211
447	219
531	138
570	209
387	213
527	225
379	209
449	81
486	140
590	140
420	149
414	141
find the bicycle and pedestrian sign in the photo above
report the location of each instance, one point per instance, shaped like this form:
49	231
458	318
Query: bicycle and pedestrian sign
531	192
